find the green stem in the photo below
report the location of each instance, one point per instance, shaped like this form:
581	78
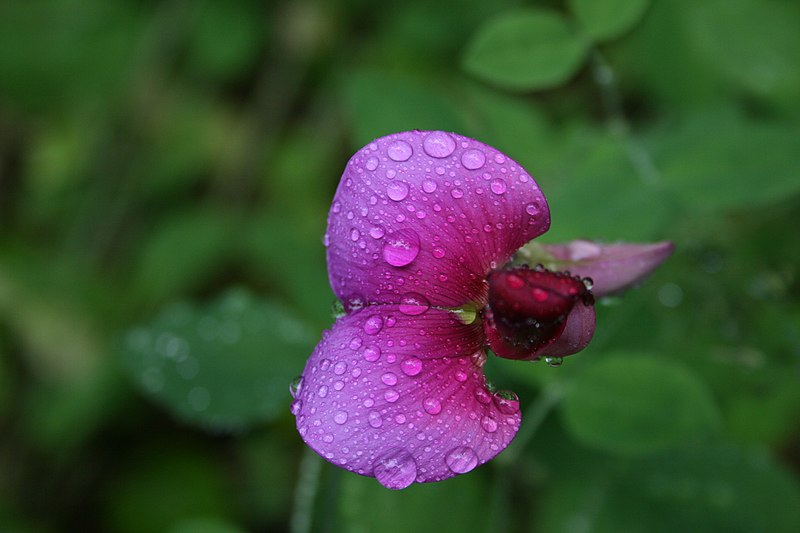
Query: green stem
305	492
618	125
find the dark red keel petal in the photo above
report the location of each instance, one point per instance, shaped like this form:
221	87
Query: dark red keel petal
528	309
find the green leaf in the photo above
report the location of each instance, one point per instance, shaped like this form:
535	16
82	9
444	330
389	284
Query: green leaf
633	404
607	19
380	103
525	49
721	160
225	365
752	43
712	488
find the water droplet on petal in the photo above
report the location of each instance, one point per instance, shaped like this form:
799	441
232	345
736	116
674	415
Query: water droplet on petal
457	193
372	353
339	368
389	378
438	144
507	402
432	406
489	424
376	232
411	366
460	376
429	186
323	391
588	283
397	190
296	407
413	304
340	417
396	470
296	386
373	325
540	295
355	343
399	151
498	186
401	247
483	396
532	209
554	361
372	163
438	252
391	395
461	460
374	418
473	159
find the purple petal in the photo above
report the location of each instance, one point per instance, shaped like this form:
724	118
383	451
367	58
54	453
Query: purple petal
430	213
612	267
406	403
576	335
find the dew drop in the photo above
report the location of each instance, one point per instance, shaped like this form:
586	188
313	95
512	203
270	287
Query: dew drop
339	368
411	366
296	386
396	470
457	193
372	354
401	247
438	144
399	151
438	252
397	190
483	396
506	402
498	186
460	376
489	424
340	417
499	159
372	163
355	343
374	418
532	209
296	407
376	232
588	283
322	391
514	281
391	396
413	304
540	295
473	159
373	325
429	186
432	406
554	361
354	235
389	378
462	459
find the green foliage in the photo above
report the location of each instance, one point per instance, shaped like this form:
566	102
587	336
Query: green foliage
155	154
525	49
225	365
607	19
631	403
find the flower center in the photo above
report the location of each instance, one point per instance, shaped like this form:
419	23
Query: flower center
528	309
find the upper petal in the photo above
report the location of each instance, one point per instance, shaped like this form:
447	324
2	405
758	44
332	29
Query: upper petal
431	213
402	404
612	267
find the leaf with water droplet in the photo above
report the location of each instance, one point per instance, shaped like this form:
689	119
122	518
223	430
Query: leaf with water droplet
224	365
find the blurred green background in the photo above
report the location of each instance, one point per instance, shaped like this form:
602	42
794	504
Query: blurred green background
166	168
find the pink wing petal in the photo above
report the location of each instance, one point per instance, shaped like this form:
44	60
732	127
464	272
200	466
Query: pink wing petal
428	213
402	407
612	267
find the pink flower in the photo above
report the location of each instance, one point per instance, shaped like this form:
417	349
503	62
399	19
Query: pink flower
420	232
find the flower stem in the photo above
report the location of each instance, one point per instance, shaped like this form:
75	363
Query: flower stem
305	492
618	125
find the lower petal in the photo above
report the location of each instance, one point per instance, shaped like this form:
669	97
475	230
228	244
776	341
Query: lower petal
403	407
